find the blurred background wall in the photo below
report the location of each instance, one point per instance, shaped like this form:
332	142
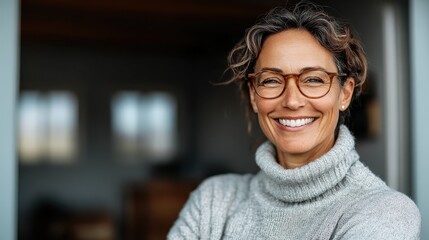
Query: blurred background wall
420	130
9	27
93	164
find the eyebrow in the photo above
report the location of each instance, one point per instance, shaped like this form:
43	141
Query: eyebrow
272	69
302	69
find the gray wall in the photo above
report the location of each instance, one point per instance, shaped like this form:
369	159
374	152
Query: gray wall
8	80
420	112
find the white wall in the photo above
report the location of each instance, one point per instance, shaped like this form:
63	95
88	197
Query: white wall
8	80
419	21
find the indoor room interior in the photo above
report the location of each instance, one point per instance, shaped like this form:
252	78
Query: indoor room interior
120	110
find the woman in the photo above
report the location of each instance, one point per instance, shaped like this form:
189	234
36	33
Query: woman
300	70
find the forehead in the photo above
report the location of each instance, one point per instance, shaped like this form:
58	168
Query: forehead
293	50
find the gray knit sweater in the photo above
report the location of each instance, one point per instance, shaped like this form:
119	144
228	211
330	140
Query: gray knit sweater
333	197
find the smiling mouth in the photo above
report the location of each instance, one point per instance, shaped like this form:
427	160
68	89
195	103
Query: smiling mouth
295	122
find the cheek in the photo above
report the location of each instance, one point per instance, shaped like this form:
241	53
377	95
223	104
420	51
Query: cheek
265	108
329	107
266	105
330	101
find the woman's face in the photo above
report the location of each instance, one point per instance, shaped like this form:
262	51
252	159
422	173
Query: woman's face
291	51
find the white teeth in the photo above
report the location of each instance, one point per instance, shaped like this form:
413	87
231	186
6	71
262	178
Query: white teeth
296	123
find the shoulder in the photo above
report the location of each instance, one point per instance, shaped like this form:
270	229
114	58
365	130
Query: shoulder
379	199
390	204
229	178
222	194
384	214
225	184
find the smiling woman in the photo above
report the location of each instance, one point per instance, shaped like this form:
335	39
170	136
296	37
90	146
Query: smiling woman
297	51
299	70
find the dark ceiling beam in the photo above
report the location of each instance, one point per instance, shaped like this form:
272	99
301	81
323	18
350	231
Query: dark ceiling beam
136	22
169	8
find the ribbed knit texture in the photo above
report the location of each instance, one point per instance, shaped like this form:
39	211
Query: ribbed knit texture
333	197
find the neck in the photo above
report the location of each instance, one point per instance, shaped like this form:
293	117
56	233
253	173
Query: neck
295	160
291	162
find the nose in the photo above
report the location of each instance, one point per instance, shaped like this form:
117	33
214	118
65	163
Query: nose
292	97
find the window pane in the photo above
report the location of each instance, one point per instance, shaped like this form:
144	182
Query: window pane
47	126
159	128
125	119
31	127
62	114
144	125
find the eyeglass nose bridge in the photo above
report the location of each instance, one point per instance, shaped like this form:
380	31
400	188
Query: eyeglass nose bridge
290	75
295	77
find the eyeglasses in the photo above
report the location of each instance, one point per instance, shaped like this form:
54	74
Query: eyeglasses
312	83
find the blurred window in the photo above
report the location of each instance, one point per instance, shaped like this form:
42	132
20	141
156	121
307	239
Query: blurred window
47	126
144	125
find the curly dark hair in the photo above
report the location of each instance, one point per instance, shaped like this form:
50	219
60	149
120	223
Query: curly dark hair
330	33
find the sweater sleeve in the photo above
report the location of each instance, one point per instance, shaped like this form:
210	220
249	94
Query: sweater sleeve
390	215
187	225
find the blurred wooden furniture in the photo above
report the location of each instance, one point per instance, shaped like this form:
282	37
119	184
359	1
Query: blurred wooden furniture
58	224
92	227
152	208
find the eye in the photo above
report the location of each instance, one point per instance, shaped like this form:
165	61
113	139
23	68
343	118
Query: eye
313	80
270	82
268	79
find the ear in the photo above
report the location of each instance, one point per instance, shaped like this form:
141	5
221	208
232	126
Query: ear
252	97
346	93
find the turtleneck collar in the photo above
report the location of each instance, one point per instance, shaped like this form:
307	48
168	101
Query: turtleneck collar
311	180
